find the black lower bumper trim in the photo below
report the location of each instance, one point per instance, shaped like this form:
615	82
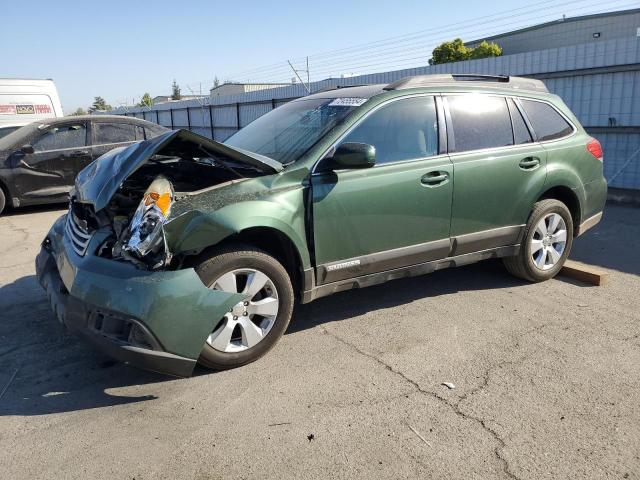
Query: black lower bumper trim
74	314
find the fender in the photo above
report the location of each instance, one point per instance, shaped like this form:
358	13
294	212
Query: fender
196	230
561	175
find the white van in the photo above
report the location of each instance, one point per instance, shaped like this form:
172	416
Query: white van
23	101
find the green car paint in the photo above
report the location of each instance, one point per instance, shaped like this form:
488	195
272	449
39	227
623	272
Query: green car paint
348	228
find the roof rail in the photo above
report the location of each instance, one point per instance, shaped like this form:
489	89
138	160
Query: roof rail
500	81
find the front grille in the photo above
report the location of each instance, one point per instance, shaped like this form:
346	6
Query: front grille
77	236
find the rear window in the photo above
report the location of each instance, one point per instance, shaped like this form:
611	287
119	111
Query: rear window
479	121
547	123
113	133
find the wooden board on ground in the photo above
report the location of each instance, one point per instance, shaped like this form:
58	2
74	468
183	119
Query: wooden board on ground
584	273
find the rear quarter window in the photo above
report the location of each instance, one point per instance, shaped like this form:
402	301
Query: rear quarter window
547	123
154	131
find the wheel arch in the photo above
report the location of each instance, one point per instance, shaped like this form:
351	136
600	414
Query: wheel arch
567	196
277	244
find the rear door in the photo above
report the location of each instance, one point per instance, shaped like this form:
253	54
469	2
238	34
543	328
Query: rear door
59	152
394	214
107	135
499	171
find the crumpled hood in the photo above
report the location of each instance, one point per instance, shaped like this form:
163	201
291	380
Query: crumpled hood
101	179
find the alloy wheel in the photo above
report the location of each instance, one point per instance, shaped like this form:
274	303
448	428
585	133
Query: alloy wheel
248	322
549	241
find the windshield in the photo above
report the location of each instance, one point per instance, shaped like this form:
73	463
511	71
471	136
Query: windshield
13	139
4	131
286	133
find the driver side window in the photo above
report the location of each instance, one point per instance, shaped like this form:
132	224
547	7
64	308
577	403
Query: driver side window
404	129
64	136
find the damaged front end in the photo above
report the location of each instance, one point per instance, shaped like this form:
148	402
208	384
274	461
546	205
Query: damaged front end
132	191
140	239
108	266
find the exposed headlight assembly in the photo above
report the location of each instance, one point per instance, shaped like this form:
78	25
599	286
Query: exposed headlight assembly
143	240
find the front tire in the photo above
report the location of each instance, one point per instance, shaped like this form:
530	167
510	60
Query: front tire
252	327
546	244
3	201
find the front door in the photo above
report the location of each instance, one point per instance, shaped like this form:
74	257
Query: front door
392	215
499	171
49	172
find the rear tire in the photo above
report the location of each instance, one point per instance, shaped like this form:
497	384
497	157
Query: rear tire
546	243
251	329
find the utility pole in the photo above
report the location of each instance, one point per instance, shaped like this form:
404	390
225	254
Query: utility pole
307	85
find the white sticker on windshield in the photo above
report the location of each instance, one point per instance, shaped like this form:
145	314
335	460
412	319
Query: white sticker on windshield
347	102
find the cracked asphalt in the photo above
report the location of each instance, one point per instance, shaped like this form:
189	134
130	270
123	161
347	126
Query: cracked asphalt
546	381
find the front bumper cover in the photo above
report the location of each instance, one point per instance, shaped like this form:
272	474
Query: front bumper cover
172	312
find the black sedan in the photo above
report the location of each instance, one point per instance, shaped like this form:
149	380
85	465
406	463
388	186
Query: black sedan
39	162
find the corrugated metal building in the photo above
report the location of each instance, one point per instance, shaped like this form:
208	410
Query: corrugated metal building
599	79
567	31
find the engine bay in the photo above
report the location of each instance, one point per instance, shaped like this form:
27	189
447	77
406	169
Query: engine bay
143	204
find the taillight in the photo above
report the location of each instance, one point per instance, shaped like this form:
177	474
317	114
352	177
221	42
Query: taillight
595	148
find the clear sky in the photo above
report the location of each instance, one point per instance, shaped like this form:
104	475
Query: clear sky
121	49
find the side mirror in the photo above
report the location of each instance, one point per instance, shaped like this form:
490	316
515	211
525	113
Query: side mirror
27	149
354	155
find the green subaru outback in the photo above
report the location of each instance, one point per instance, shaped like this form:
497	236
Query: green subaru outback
180	249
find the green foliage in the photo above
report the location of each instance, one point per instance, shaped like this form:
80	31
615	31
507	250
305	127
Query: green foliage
448	52
216	82
79	111
145	101
485	50
455	51
175	91
99	104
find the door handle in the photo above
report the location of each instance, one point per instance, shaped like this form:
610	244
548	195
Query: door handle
433	179
80	152
529	163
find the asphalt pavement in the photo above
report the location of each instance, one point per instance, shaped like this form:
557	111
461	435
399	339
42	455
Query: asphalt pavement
544	376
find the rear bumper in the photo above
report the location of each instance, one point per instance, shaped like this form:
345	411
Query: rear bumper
589	223
595	197
155	320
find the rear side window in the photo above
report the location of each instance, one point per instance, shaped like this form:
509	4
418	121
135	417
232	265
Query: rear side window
520	131
113	133
479	121
401	130
547	123
64	136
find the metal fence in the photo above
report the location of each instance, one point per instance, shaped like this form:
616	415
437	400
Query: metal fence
599	81
214	121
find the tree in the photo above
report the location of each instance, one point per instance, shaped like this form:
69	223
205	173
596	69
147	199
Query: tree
99	104
175	91
146	101
456	51
79	111
448	52
216	82
485	50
